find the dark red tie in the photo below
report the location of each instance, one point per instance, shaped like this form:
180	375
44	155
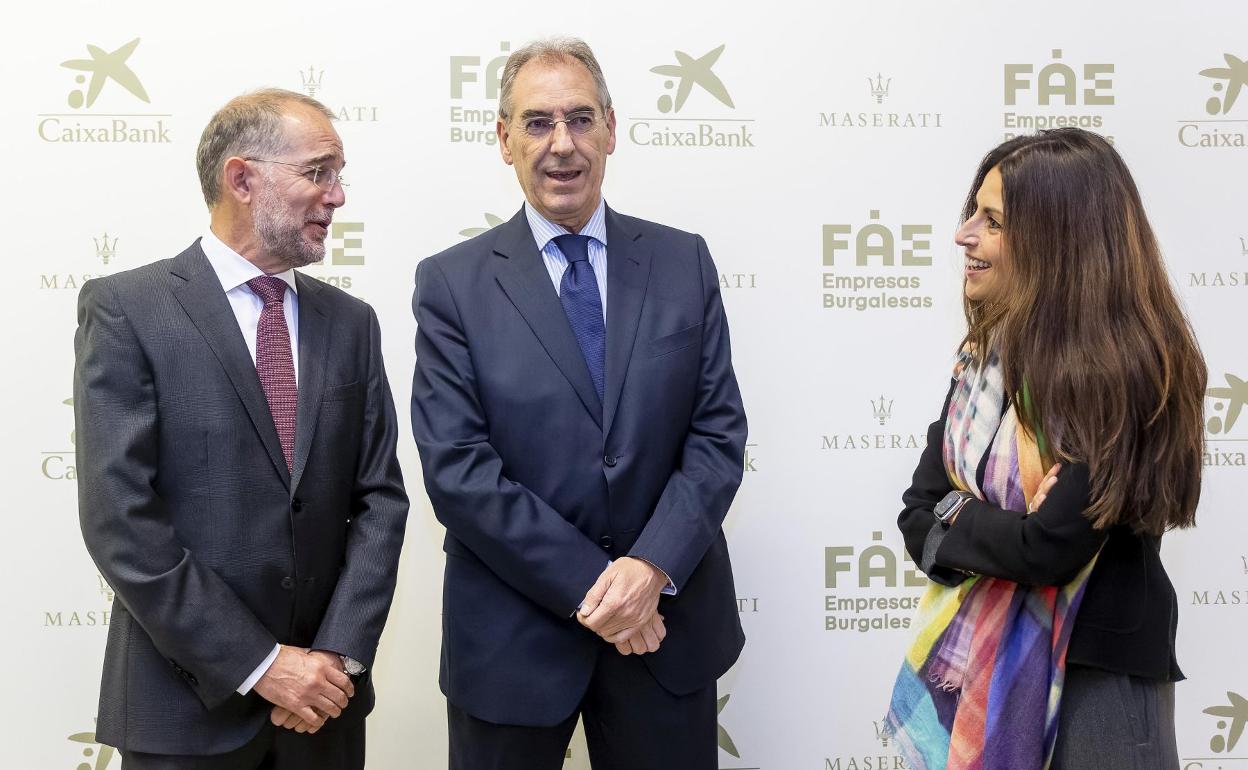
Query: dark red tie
274	363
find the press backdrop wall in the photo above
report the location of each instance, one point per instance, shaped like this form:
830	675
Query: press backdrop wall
826	175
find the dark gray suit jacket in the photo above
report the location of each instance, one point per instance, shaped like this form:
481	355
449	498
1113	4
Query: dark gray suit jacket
539	484
216	551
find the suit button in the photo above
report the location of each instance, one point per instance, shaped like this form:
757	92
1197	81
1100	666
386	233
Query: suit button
296	505
288	583
610	461
606	542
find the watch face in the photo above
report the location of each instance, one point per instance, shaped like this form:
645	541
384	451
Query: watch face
945	504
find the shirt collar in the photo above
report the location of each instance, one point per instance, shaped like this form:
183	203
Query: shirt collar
544	230
232	268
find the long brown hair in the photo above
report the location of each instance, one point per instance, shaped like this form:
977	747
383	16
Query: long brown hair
1090	326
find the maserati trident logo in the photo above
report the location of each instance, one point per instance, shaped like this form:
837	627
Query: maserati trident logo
104	248
879	89
881	410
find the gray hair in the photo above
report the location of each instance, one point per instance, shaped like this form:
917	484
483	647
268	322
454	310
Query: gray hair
248	125
551	51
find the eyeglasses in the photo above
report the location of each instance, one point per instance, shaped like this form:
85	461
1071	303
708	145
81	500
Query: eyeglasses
324	178
579	123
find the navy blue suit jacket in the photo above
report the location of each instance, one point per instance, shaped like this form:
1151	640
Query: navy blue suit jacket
539	484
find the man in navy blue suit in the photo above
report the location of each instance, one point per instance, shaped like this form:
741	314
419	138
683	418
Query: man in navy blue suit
582	437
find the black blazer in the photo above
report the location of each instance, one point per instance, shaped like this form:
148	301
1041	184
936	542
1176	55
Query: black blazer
1129	614
539	484
214	549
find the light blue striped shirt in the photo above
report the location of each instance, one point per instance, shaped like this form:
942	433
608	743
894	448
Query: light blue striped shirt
544	232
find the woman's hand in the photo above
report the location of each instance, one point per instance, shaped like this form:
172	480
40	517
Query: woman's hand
1045	487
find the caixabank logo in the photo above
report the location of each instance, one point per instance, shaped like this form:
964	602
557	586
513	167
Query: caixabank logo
730	757
97	755
59	464
1226	426
1058	93
1226	127
1226	720
876	265
108	102
694	109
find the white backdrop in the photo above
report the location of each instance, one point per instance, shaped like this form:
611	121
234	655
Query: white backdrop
829	206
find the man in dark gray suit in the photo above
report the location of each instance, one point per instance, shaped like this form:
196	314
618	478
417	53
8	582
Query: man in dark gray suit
582	436
238	484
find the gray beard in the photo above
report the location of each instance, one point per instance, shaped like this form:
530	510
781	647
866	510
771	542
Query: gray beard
281	232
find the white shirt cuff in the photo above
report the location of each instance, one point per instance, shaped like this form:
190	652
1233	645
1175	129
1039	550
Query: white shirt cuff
250	681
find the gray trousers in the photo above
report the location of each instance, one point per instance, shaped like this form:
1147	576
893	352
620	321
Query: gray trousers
1115	722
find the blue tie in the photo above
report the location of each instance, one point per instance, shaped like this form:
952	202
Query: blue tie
578	293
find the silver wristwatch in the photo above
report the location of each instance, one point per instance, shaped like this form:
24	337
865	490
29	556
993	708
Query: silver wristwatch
351	666
948	507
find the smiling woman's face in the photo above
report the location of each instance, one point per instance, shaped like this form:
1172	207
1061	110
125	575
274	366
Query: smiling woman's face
980	237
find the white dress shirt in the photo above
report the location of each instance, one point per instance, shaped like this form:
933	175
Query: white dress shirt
544	233
234	271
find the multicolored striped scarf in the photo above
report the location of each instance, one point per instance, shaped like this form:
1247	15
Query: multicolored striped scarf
981	684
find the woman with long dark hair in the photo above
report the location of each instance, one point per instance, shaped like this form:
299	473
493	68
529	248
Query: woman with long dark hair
1070	441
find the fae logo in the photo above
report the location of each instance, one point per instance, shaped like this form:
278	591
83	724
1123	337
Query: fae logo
474	96
875	590
1221	130
112	76
344	249
692	81
879	267
1058	95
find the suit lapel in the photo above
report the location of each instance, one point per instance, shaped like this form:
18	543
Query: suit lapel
314	323
523	276
204	301
628	273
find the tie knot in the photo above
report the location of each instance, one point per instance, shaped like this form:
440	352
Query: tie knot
269	288
574	247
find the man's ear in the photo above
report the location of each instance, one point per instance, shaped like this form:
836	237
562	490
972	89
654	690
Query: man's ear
500	128
237	180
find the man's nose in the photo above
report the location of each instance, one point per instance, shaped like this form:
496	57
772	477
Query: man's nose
561	140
